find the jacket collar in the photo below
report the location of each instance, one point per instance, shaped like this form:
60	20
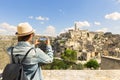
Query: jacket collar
24	43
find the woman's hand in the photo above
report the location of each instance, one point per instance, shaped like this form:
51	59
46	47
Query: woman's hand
48	41
36	42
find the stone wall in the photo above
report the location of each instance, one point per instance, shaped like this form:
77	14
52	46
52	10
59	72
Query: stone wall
108	62
81	74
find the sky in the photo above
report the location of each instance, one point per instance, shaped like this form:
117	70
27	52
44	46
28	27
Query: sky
52	17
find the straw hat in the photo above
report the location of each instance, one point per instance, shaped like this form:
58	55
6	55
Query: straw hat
24	29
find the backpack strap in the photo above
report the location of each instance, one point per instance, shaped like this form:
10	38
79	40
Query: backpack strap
13	60
34	74
26	55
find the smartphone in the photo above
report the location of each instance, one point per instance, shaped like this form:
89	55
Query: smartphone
42	44
42	39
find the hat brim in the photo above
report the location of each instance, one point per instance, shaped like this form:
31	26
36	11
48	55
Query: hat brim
25	34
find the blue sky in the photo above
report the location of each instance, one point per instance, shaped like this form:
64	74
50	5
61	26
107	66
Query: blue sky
55	16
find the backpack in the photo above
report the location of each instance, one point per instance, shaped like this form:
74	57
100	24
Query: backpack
14	70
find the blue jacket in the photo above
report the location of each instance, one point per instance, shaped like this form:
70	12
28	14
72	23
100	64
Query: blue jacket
34	58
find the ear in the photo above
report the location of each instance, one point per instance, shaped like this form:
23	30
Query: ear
31	35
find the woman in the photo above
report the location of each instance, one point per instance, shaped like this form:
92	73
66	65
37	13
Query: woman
36	56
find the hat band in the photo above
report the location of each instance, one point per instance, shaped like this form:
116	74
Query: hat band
24	34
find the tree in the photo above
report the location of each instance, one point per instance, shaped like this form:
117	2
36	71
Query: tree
69	55
92	64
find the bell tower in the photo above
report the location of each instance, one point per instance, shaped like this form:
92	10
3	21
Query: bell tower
76	27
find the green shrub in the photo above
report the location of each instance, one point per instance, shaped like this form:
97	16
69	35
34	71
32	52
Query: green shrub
62	65
46	66
57	64
69	55
92	64
78	66
62	41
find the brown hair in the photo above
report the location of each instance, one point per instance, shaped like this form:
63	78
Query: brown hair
24	38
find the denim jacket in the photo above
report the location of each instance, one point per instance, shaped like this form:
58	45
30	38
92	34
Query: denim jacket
33	59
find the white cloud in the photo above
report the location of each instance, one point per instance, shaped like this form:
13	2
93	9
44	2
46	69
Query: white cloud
39	18
66	29
2	31
41	22
7	28
47	18
79	24
82	24
102	30
42	18
118	1
97	23
113	16
30	17
69	28
51	31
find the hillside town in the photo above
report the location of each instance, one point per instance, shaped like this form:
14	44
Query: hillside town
88	44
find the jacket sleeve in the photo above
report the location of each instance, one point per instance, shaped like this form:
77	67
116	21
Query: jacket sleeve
45	57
